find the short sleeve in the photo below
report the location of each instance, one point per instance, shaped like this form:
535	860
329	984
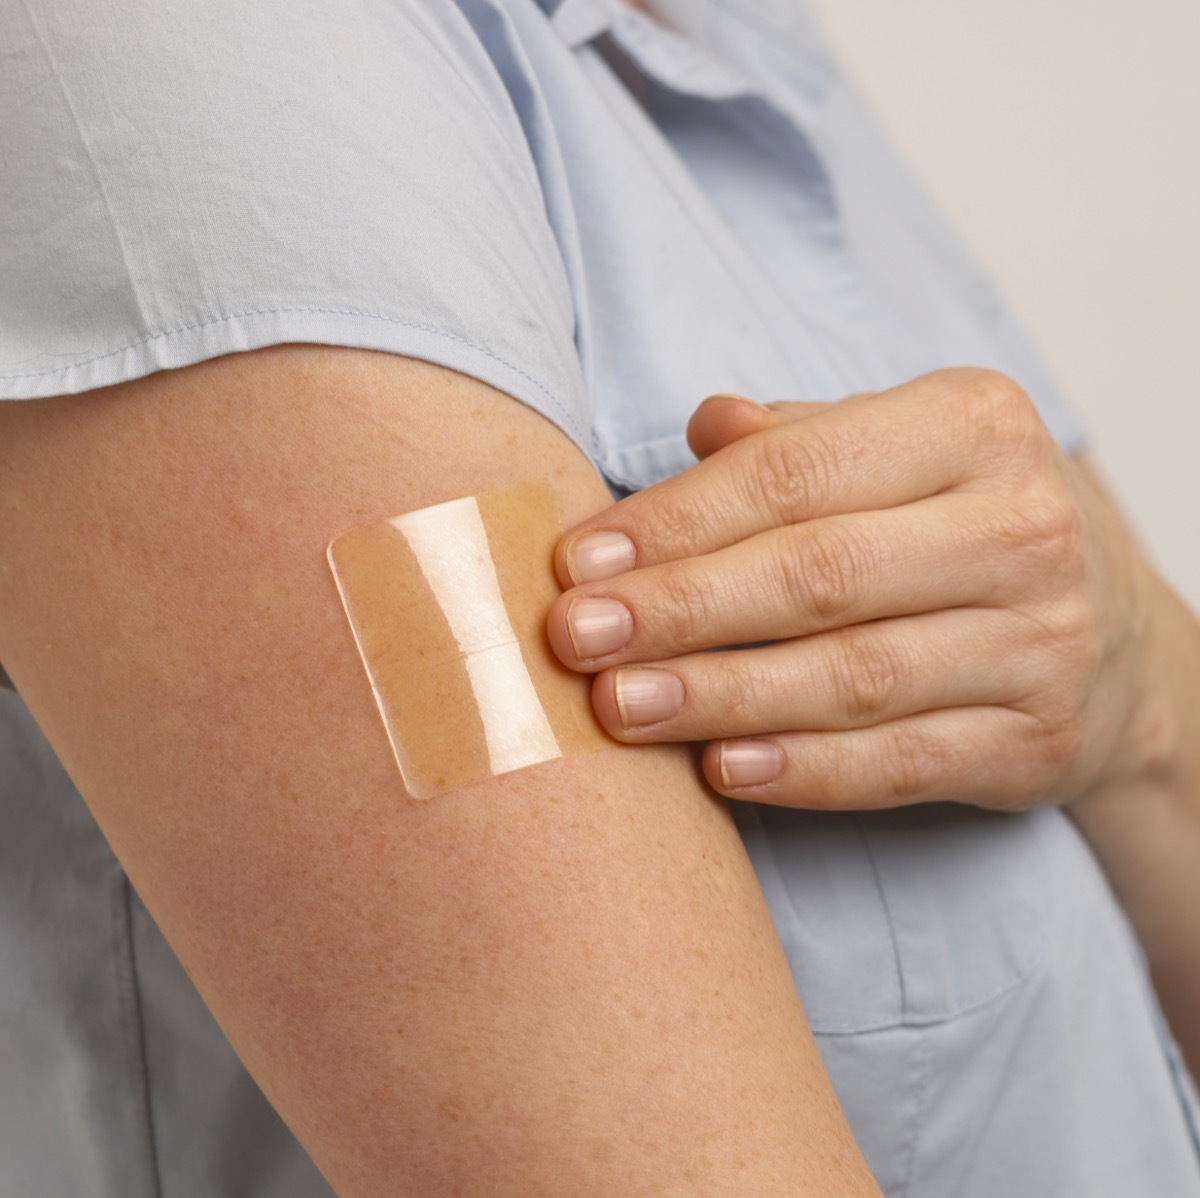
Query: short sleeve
180	181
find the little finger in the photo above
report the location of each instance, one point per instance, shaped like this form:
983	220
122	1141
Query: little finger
991	757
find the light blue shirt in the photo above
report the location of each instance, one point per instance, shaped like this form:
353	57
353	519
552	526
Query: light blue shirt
608	218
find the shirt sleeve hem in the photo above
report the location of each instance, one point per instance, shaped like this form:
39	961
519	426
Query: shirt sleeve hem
258	328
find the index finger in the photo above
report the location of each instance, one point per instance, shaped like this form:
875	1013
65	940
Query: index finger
880	451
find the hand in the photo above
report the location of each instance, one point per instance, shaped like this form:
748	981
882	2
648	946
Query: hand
936	603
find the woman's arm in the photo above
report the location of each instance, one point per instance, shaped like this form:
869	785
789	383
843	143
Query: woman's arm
1143	818
561	981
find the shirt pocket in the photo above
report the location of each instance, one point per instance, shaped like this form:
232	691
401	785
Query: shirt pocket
903	917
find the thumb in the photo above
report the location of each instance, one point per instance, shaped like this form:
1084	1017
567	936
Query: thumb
722	419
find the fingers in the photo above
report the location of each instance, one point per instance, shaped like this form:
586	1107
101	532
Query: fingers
991	756
876	452
851	678
790	582
722	419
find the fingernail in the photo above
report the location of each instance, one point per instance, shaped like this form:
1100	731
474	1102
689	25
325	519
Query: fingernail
750	763
598	626
647	696
600	555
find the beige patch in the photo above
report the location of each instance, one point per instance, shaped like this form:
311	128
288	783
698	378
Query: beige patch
448	607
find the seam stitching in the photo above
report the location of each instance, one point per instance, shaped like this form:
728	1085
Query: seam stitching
920	1088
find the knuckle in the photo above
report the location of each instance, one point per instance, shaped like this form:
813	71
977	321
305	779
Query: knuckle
826	779
1000	411
735	697
1067	636
1014	528
1046	530
1057	746
822	575
790	476
991	392
867	672
685	521
913	766
1063	534
685	608
1063	744
1054	527
1077	635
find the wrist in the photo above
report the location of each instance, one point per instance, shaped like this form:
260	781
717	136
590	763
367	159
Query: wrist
1143	824
1155	761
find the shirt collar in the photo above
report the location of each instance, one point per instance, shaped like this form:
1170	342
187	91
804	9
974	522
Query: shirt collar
656	50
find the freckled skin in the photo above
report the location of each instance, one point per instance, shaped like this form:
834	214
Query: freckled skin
425	990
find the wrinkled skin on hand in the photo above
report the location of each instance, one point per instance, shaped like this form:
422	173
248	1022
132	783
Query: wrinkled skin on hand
902	597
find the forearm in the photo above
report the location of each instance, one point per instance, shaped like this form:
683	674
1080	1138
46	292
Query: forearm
1143	821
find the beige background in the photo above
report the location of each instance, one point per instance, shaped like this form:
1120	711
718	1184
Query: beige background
1062	139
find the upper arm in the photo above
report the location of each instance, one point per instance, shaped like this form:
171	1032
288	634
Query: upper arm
560	980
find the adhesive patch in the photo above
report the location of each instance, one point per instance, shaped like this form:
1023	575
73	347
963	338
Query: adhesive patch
448	606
